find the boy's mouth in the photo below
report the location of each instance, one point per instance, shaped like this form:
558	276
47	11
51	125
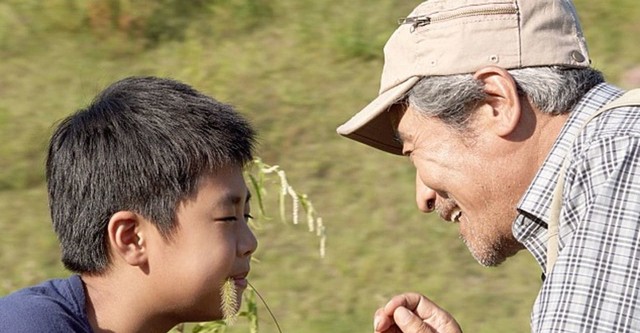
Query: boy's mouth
240	280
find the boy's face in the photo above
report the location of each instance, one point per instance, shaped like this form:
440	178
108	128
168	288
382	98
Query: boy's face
211	244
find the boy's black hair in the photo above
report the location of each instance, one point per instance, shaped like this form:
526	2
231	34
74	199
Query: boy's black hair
142	146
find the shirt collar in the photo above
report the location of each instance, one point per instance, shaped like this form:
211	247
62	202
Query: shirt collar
530	225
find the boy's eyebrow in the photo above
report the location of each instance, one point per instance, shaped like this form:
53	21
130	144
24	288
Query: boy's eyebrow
235	199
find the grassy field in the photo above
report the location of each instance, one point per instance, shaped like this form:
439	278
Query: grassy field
297	69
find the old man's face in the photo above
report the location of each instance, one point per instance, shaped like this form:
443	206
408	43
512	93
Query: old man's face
464	178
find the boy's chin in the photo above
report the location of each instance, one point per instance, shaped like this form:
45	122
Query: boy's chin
202	315
205	313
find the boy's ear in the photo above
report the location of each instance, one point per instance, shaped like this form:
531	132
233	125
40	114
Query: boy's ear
502	97
126	237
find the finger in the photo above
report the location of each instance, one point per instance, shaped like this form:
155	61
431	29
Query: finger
408	322
382	322
407	300
383	319
436	317
392	329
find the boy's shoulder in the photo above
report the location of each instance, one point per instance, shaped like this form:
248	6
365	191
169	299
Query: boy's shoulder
52	306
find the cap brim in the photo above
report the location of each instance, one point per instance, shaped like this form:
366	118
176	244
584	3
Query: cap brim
372	125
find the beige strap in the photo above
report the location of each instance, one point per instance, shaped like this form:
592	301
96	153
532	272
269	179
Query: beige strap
630	98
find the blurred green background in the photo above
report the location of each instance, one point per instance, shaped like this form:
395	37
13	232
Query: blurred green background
297	69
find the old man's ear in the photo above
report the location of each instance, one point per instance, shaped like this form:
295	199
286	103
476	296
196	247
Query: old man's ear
502	102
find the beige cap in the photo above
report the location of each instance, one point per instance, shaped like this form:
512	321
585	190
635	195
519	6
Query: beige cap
443	37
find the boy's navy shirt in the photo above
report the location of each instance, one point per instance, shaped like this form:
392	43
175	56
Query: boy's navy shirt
53	306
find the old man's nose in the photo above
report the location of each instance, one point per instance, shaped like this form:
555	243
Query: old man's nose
425	197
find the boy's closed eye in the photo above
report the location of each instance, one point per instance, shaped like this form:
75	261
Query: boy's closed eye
234	218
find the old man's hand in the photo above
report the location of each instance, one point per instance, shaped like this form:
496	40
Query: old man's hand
413	313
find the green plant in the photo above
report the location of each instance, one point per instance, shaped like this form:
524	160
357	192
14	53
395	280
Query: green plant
259	173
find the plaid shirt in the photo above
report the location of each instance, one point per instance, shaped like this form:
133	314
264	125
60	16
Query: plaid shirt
595	283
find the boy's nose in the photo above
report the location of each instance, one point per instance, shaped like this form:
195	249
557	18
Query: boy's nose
247	243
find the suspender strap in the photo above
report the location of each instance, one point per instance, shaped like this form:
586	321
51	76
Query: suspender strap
630	98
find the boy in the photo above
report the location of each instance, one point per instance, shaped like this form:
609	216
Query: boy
150	208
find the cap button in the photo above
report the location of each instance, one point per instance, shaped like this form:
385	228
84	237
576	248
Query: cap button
577	56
